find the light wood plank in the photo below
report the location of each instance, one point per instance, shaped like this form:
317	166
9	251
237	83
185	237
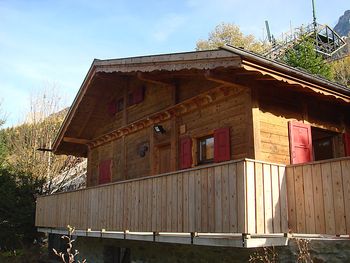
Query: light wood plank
283	198
339	209
204	200
241	195
218	199
300	196
198	200
232	184
180	196
309	199
250	197
211	200
328	198
186	202
268	198
191	202
345	164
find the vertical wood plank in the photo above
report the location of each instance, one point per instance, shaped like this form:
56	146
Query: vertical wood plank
300	196
185	202
232	182
309	200
204	200
218	199
292	218
268	198
174	211
241	195
191	202
198	200
283	198
164	204
250	197
345	164
259	194
211	200
169	194
149	205
225	199
180	203
339	209
276	205
328	198
154	205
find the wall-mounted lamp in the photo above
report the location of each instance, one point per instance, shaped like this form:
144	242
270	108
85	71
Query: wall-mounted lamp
158	129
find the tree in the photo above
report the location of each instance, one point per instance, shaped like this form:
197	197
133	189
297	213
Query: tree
303	55
226	33
341	70
3	148
17	208
38	131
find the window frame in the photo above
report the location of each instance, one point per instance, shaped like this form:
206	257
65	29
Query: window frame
198	146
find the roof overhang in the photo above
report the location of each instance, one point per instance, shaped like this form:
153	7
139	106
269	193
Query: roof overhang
225	57
200	60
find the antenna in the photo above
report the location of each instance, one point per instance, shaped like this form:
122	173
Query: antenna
268	31
314	14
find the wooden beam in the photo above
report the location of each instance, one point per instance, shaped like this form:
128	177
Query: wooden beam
75	140
149	79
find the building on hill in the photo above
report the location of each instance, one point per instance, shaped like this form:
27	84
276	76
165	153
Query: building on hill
201	156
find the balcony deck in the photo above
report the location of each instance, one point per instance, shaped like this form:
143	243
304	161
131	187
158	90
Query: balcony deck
244	196
212	204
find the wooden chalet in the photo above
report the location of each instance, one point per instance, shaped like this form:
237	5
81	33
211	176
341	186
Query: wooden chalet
205	148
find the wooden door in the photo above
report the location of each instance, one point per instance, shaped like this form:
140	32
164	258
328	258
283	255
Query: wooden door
300	142
163	159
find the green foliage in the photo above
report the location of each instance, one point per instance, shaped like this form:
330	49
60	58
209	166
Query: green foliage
341	70
304	56
3	147
226	33
17	208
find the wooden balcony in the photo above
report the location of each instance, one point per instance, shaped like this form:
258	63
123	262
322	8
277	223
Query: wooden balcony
319	197
244	196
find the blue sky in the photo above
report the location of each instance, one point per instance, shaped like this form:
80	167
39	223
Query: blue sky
45	43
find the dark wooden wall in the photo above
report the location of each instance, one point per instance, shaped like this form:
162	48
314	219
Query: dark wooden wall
233	111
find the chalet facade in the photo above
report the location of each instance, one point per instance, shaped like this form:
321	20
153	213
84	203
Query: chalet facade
215	148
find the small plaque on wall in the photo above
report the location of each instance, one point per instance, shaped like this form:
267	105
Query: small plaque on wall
183	129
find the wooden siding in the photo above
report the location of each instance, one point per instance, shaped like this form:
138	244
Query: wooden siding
232	111
277	108
319	197
234	197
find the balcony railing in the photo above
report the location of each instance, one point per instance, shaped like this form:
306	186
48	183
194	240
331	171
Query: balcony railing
319	197
244	196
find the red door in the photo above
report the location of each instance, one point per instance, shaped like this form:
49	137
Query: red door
300	142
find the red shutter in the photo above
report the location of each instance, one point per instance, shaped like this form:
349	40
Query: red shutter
222	145
300	142
139	94
347	143
112	108
104	172
185	153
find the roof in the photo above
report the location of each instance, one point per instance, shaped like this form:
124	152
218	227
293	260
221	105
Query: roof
225	57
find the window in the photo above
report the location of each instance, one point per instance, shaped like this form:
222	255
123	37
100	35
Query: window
323	143
206	149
